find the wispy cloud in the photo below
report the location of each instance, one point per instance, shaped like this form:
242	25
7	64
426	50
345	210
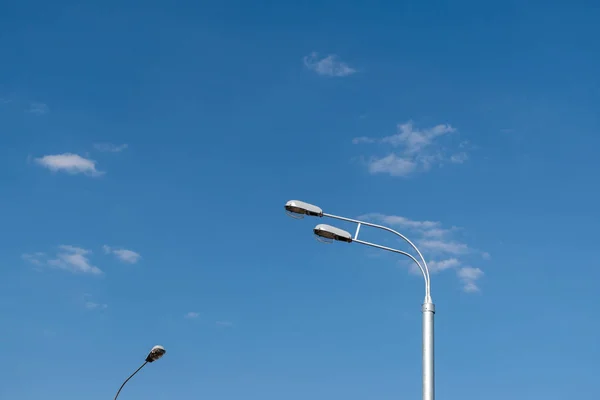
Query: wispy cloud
74	259
125	255
402	222
224	324
328	66
111	148
442	265
412	150
91	304
459	158
438	232
37	258
392	165
469	276
414	140
69	163
69	258
363	139
435	266
39	108
192	315
441	246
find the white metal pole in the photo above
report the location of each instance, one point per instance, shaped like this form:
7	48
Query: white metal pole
428	310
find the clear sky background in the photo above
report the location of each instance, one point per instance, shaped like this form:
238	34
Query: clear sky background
147	149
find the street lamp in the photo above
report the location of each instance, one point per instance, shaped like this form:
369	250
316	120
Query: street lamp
329	232
298	209
156	353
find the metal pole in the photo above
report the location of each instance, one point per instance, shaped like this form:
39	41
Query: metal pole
428	310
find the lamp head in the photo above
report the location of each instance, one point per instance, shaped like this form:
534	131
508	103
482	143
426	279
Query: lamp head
298	209
156	353
332	233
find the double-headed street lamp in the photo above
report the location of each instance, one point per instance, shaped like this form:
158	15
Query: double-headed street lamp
298	209
156	353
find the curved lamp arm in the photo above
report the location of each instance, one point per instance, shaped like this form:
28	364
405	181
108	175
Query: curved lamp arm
130	376
399	252
424	268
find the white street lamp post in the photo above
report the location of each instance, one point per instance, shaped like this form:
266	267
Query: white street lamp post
156	353
298	209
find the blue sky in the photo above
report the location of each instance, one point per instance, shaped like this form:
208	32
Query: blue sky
147	150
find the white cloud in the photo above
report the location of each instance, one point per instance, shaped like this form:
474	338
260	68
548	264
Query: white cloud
39	108
224	324
438	266
125	255
109	147
74	259
69	163
128	256
442	246
486	256
413	150
192	315
90	305
392	165
328	66
471	287
414	140
469	276
470	273
437	232
403	222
